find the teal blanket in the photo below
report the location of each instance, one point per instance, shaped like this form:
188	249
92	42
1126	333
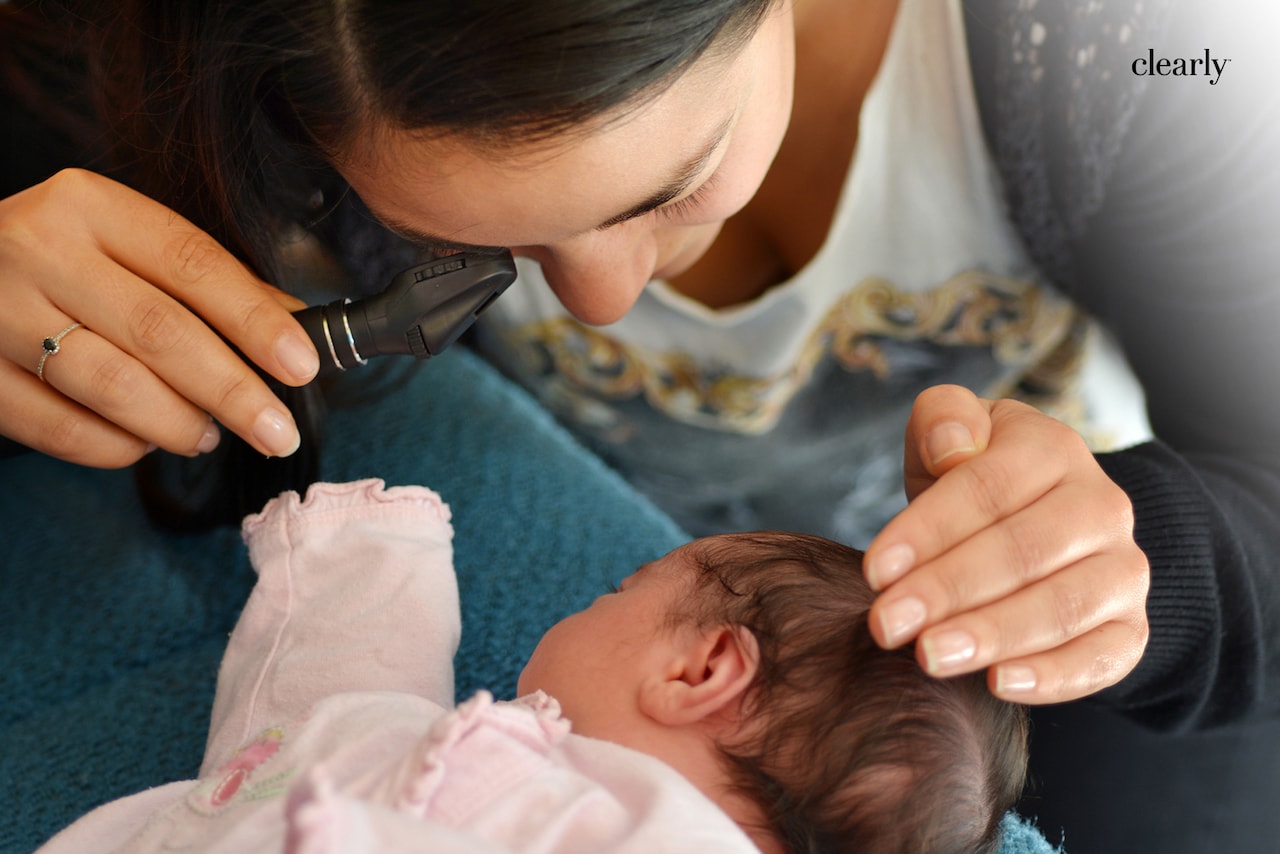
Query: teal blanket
111	633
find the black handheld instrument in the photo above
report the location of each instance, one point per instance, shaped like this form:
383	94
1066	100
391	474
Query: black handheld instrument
421	312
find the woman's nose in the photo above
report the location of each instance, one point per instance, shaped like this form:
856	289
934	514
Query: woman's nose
598	276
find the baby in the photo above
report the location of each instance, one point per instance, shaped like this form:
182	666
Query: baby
726	697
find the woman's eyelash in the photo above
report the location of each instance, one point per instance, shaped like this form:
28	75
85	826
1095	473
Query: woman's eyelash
690	203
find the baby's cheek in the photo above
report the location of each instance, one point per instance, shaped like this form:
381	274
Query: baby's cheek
528	680
538	672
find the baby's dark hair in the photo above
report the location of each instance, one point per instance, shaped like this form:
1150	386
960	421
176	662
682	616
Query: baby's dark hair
850	747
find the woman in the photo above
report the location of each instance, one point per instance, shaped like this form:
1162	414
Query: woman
831	239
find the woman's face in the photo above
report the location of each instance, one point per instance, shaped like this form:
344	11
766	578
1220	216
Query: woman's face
603	212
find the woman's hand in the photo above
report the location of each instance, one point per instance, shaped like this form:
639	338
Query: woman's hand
145	369
1015	554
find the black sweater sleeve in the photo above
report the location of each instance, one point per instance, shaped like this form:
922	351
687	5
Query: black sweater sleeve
1183	263
1179	256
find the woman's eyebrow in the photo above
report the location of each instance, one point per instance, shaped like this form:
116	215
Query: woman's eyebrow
671	189
677	184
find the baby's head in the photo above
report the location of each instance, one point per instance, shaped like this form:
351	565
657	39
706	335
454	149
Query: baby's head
745	662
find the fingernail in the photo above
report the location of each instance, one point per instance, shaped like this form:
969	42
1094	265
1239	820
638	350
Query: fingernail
947	650
297	356
889	565
1015	679
209	440
276	432
901	620
947	439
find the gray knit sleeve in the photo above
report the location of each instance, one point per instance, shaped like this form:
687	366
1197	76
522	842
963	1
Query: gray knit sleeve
1153	201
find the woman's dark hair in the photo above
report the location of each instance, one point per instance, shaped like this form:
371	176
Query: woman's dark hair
232	111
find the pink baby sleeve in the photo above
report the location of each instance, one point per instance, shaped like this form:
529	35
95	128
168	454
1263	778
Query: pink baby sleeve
355	592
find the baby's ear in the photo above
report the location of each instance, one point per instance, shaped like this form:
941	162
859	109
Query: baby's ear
706	673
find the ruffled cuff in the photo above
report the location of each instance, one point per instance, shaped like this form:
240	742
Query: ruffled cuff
323	498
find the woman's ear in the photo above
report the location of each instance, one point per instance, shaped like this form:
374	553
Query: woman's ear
706	672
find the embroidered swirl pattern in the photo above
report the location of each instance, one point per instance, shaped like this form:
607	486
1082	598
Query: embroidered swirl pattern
1022	324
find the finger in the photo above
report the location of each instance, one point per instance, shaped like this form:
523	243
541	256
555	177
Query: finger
182	351
948	424
1084	666
1028	455
999	560
86	368
92	371
163	248
46	421
1036	619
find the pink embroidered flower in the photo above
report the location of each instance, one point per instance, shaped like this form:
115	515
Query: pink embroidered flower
238	769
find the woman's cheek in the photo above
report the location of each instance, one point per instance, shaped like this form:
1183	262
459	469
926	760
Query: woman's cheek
683	247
